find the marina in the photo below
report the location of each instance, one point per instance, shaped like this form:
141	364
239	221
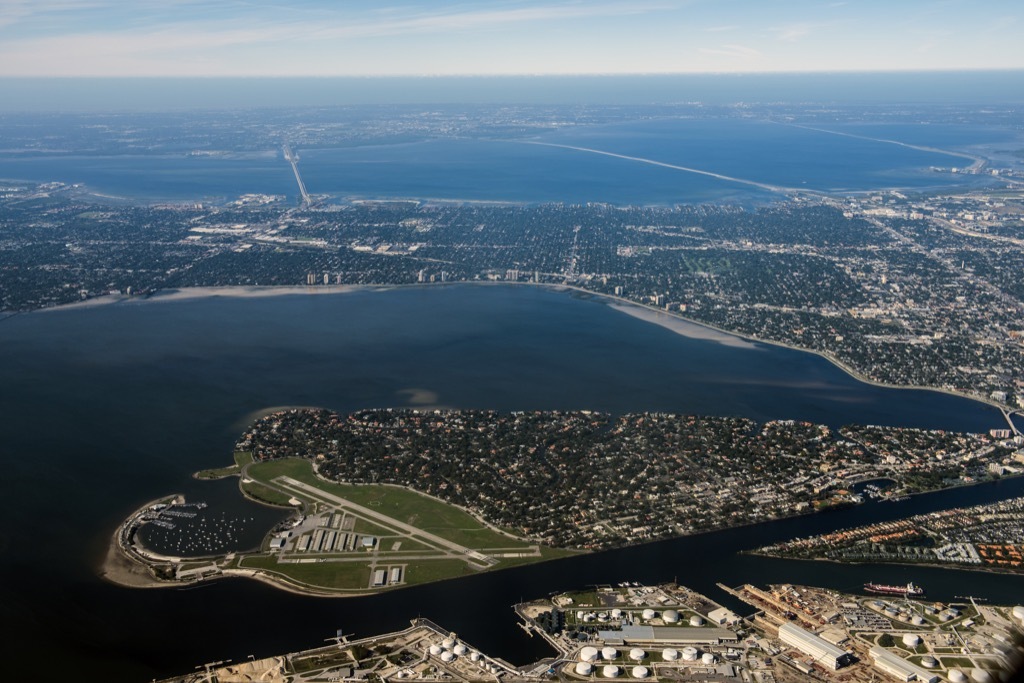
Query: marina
195	530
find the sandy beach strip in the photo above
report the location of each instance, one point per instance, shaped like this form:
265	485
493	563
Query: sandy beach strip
682	327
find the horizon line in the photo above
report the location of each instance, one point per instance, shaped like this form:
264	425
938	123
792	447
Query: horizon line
604	74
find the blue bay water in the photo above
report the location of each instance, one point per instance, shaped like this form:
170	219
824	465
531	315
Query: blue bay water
780	154
505	171
108	407
159	177
516	171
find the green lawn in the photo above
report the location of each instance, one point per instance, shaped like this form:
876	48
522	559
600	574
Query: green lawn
425	571
266	494
404	505
398	503
355	576
956	662
339	575
364	528
242	458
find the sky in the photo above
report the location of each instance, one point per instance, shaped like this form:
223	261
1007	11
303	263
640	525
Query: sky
144	38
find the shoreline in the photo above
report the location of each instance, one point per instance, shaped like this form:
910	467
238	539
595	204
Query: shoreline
123	568
676	322
931	565
119	567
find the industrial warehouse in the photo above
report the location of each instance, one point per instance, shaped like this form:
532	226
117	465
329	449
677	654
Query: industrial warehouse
822	651
895	665
655	635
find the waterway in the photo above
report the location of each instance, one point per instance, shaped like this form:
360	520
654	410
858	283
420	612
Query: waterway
104	408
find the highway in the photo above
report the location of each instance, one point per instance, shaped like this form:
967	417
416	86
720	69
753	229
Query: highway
653	162
293	159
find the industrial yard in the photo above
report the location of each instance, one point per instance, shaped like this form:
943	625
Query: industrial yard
989	536
852	638
671	633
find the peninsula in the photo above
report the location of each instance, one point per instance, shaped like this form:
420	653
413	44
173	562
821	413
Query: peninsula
389	497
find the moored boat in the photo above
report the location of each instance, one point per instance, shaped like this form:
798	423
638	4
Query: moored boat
910	590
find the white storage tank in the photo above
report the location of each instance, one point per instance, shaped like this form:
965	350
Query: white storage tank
640	672
707	659
447	656
1018	613
981	676
957	676
475	656
616	614
448	643
911	640
649	614
460	649
584	668
670	616
610	671
435	650
689	654
669	654
637	654
929	662
918	620
696	620
588	654
609	653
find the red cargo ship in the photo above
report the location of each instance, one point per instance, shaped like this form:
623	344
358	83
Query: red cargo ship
910	590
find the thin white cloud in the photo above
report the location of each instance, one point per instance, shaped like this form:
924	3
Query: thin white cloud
263	29
730	51
171	47
794	32
483	18
720	29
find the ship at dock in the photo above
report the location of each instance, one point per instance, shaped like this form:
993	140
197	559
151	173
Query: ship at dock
908	591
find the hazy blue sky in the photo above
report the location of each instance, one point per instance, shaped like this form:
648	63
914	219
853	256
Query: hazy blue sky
388	37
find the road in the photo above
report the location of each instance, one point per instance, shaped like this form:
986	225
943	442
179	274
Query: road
293	159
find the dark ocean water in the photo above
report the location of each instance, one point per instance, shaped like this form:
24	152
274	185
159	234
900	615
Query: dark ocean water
108	407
